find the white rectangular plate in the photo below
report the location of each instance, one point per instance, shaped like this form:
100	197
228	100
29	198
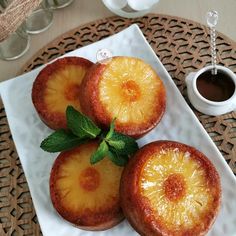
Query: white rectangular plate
179	124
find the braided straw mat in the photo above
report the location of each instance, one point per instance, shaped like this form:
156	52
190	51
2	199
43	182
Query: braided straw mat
181	45
14	15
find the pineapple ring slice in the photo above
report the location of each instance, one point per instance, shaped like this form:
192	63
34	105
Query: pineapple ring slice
169	188
127	89
56	87
86	195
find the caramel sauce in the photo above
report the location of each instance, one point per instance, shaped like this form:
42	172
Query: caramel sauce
217	88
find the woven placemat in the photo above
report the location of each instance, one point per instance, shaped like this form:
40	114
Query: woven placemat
181	45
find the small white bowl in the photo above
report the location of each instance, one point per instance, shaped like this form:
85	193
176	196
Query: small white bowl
204	105
130	8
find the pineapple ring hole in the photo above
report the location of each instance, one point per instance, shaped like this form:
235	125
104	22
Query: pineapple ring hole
174	187
131	90
89	179
71	92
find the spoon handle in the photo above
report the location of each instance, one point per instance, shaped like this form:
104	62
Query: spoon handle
213	50
212	19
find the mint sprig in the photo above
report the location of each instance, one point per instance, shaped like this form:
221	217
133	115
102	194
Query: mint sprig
60	140
112	129
116	146
119	160
81	125
100	153
123	144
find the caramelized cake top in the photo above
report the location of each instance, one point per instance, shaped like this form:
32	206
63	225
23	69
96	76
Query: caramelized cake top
126	88
130	90
57	86
84	194
178	187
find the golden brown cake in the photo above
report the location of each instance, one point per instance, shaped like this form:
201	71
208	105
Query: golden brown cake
56	87
169	188
86	195
127	89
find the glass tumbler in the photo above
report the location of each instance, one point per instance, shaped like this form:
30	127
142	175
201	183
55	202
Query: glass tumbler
15	45
40	19
56	4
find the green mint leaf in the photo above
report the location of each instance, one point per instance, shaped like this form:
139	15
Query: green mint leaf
119	160
81	125
111	131
117	140
100	153
60	140
117	144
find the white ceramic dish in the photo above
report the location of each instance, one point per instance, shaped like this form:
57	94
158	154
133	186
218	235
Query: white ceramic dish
179	124
206	106
130	8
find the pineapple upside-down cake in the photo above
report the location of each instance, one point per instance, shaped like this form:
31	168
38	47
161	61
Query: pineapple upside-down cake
125	88
86	195
57	86
169	188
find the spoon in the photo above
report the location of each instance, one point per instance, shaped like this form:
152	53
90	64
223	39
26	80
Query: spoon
212	19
